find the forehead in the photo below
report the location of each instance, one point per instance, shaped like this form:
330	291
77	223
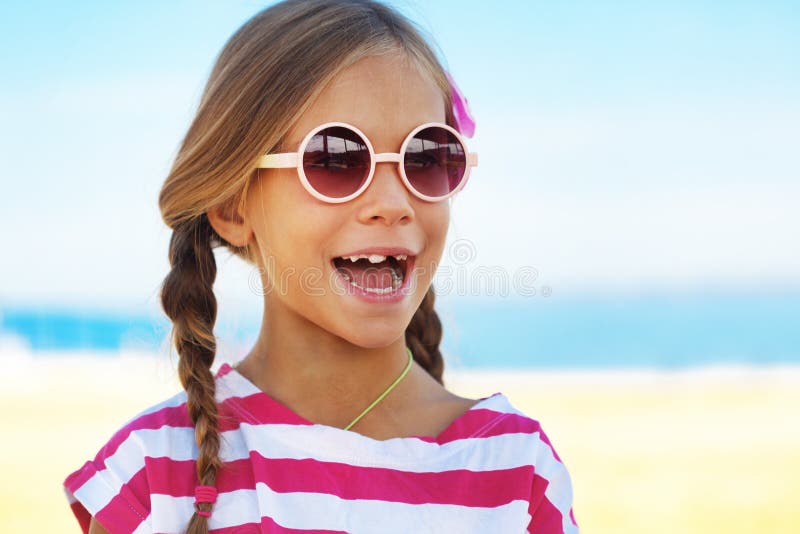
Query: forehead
384	96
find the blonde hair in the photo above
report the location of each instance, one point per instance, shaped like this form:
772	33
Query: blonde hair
263	80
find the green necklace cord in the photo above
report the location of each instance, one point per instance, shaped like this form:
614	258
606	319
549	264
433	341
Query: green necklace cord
376	401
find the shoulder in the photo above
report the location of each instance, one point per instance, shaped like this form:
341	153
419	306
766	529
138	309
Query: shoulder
550	483
151	429
164	424
506	429
114	486
504	418
149	456
537	444
512	450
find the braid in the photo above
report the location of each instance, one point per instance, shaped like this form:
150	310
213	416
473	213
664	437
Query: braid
188	299
423	335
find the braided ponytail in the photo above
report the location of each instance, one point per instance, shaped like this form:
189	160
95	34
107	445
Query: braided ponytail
188	299
423	335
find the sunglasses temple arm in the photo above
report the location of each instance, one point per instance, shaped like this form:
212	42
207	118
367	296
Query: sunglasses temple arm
286	160
472	159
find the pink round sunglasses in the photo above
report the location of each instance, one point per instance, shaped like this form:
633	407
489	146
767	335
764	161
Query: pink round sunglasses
336	162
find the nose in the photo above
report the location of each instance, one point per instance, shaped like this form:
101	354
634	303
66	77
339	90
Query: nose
386	200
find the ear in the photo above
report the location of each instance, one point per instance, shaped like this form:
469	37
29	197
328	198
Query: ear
229	223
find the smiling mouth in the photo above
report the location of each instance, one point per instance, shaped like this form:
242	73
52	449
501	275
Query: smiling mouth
373	273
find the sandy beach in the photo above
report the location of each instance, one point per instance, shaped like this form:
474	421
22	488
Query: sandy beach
706	450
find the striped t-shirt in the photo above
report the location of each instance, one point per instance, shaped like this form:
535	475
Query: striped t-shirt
491	470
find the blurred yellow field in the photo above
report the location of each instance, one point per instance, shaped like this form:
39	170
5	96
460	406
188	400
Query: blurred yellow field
697	451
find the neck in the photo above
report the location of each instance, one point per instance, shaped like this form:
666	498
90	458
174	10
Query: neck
323	377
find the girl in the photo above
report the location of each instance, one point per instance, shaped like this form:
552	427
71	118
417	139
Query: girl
325	150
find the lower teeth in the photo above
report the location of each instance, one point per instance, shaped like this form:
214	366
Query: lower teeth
397	281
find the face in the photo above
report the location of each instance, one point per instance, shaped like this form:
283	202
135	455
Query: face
300	240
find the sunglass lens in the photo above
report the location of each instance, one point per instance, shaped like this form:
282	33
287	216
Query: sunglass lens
435	161
336	162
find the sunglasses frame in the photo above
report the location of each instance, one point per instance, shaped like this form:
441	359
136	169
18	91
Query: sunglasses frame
288	160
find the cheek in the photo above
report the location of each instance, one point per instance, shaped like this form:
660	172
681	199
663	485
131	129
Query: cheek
283	214
285	205
435	219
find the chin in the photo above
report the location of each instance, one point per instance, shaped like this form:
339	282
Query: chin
375	337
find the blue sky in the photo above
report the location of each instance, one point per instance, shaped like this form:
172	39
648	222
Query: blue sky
624	146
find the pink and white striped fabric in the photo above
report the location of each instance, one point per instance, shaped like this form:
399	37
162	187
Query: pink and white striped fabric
493	469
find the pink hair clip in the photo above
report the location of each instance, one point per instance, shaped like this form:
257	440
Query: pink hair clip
207	494
465	124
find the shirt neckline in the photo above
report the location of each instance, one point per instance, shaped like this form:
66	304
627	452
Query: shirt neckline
243	387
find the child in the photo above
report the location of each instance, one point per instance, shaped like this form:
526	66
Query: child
325	150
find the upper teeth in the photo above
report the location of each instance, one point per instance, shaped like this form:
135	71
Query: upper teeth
374	258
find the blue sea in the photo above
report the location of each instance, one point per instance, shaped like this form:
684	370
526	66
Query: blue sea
639	331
